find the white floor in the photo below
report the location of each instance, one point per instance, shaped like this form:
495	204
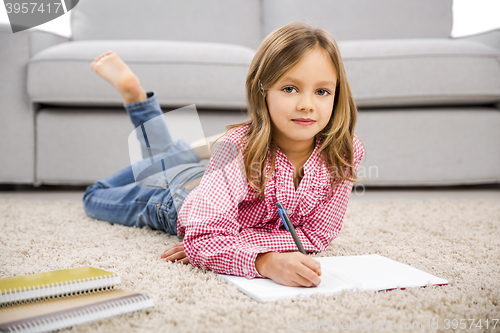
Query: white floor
490	192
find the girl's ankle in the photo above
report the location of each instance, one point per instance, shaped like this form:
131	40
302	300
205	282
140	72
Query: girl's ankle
141	96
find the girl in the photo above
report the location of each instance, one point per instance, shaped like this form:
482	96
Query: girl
298	148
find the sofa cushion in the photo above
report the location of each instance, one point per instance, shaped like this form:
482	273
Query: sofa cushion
364	19
431	146
209	75
381	72
417	72
81	145
218	21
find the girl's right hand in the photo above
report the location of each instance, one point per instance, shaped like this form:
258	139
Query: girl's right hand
176	253
293	269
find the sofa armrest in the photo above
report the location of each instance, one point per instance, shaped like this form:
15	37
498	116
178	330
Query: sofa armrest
37	40
491	38
17	114
40	40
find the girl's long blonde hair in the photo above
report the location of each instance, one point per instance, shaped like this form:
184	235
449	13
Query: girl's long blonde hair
279	53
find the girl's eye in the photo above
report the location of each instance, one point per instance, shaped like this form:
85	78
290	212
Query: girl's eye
324	90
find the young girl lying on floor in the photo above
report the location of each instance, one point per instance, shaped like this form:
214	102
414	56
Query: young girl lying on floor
298	148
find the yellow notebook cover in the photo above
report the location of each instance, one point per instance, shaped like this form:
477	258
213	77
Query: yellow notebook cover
59	283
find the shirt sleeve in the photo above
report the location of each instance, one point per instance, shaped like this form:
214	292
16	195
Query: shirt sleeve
212	235
317	232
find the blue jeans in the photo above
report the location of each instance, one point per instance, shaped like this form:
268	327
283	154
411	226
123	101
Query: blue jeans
153	201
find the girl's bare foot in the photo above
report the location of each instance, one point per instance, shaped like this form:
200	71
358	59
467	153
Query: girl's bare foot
115	71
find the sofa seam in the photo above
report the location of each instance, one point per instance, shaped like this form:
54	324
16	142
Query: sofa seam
147	62
392	97
347	58
344	58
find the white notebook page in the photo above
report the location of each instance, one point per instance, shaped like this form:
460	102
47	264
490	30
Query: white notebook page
366	272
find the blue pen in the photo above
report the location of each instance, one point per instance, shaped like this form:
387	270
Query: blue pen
289	226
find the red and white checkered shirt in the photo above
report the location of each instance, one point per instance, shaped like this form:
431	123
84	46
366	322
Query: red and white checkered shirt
225	227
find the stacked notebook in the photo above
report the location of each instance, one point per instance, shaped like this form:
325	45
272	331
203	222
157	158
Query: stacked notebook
58	299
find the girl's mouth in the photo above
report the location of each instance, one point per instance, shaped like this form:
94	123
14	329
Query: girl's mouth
303	121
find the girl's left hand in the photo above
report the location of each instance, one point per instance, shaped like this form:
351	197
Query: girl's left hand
176	252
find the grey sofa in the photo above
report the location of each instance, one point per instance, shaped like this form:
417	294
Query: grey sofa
428	104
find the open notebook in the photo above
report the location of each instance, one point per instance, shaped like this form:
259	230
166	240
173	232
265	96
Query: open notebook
366	272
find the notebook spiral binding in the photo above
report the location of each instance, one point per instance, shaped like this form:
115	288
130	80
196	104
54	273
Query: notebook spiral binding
86	315
58	290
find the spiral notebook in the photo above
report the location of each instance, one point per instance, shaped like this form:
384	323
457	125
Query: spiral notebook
54	284
365	272
65	312
53	300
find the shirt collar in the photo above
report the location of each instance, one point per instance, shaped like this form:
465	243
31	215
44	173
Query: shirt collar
310	165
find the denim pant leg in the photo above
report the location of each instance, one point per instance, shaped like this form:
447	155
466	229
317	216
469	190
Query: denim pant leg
118	198
178	177
155	140
128	205
149	111
154	204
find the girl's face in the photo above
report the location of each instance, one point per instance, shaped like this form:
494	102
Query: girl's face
301	102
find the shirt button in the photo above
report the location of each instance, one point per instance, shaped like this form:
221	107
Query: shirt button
245	270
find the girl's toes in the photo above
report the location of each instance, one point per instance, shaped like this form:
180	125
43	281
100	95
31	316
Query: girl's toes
102	55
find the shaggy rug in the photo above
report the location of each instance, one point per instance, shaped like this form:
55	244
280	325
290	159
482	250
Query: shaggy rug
455	240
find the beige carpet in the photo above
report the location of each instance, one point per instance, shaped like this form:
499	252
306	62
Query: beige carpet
455	240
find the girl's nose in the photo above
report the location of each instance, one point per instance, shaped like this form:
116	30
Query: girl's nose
305	103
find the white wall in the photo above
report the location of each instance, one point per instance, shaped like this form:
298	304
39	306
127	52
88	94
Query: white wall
475	16
469	17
